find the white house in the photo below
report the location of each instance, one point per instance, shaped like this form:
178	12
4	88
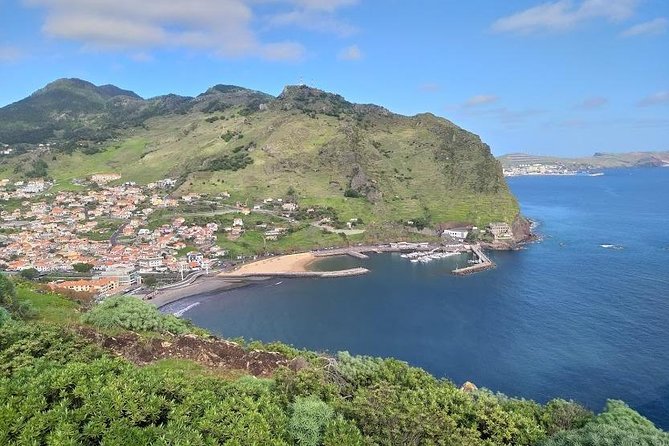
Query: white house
456	233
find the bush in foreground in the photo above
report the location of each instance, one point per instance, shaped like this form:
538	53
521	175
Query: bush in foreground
4	316
310	415
132	314
57	387
617	425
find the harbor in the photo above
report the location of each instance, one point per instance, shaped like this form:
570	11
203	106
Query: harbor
421	253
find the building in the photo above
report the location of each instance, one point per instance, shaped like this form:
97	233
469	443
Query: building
289	207
195	257
100	287
456	233
150	263
126	276
500	230
102	178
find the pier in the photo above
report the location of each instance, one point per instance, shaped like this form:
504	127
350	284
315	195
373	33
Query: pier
483	263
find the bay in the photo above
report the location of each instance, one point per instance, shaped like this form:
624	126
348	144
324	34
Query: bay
583	314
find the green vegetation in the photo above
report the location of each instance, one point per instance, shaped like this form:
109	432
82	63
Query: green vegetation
359	160
38	170
233	162
11	302
131	313
47	307
29	273
4	316
57	387
618	425
82	267
309	417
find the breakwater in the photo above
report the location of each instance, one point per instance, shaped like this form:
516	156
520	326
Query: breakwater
483	263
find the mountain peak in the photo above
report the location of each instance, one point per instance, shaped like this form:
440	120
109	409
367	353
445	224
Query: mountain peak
80	85
310	99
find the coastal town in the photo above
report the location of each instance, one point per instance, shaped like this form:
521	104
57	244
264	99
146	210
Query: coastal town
105	236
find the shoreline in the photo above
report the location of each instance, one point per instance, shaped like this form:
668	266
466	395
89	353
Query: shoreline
204	284
292	266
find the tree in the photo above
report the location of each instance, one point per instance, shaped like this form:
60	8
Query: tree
291	194
29	274
82	267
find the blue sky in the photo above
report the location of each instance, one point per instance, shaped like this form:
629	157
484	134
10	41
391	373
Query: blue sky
566	77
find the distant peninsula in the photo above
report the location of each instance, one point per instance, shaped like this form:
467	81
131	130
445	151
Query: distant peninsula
520	162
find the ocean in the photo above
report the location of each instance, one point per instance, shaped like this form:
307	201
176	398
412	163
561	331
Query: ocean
582	314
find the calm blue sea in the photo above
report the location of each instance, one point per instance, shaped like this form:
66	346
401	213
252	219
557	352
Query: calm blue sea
565	317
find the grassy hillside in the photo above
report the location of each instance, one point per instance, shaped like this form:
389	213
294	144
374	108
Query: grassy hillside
117	375
360	159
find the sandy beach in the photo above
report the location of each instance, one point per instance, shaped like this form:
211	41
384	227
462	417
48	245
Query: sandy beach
293	263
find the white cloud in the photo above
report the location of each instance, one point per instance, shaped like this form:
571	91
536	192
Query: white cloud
592	103
324	5
9	54
313	21
564	14
481	99
659	98
655	26
222	27
350	53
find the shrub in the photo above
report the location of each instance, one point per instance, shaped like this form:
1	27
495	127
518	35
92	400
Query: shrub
342	432
132	314
617	425
235	161
4	316
29	274
10	301
560	415
7	292
309	417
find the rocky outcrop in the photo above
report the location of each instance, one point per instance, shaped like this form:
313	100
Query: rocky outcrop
211	352
363	185
522	229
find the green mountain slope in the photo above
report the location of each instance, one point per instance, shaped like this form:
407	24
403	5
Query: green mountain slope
363	160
